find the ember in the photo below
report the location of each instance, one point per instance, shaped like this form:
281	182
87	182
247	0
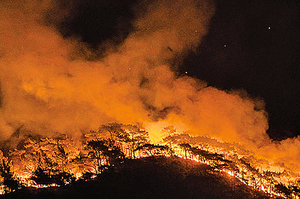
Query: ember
56	90
110	144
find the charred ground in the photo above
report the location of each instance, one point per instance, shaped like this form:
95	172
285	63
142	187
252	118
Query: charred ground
154	177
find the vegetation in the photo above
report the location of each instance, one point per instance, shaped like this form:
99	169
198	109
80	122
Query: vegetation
7	178
61	161
155	177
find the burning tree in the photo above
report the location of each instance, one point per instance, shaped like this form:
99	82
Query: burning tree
56	160
99	152
187	149
112	132
103	147
7	177
153	149
120	137
29	157
44	160
134	137
169	131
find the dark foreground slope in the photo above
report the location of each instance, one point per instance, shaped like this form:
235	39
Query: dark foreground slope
150	178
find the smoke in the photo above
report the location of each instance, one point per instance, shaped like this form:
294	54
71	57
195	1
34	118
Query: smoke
47	86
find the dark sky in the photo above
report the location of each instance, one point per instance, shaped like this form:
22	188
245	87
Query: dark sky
251	45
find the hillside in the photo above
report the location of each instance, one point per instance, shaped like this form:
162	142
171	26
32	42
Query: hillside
158	177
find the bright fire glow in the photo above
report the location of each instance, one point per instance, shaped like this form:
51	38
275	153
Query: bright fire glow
51	84
232	160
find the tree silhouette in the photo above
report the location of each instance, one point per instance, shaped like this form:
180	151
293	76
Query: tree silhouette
154	149
115	155
187	148
113	132
169	131
120	137
7	175
41	152
99	152
135	137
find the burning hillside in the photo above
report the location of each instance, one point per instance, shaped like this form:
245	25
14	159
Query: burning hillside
53	90
149	178
43	162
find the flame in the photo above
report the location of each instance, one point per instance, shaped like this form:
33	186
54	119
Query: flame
48	84
223	157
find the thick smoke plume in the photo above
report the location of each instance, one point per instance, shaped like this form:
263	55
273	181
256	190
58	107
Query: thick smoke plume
47	86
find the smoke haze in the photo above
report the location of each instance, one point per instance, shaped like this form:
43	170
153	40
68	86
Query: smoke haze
48	86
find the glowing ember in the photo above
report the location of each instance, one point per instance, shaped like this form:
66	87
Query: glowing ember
111	143
50	84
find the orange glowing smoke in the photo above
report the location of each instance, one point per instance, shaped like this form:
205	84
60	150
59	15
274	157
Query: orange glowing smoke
48	86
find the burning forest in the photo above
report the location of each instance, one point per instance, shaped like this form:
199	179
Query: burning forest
43	162
55	92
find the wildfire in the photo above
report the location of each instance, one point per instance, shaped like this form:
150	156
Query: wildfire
51	84
60	161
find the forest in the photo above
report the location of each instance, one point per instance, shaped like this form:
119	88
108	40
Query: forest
60	160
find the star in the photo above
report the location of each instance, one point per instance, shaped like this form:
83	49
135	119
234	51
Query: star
269	28
186	72
225	45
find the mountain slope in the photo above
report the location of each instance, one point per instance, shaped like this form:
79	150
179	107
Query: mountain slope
151	178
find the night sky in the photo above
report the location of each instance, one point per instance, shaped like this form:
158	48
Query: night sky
251	45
